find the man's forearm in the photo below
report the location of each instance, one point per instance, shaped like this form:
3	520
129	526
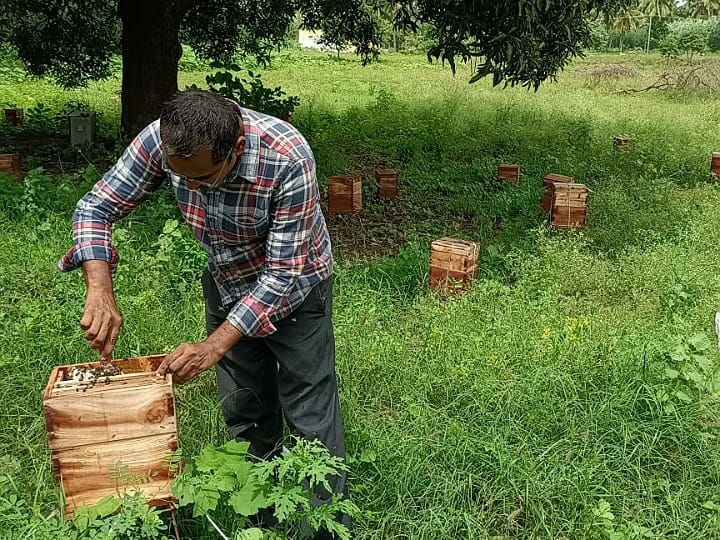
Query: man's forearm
223	339
97	275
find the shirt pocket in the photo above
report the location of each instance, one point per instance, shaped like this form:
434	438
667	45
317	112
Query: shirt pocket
245	219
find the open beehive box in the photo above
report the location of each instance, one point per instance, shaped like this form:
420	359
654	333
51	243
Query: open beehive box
110	433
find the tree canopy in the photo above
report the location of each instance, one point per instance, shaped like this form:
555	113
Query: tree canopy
516	42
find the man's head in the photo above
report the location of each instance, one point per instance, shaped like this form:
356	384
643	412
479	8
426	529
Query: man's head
202	137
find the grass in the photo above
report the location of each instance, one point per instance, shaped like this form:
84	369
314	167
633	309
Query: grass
517	411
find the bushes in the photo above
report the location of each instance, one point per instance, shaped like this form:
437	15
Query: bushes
685	37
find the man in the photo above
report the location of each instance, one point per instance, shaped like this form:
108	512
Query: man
246	185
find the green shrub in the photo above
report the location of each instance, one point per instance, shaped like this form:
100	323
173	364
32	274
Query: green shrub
686	37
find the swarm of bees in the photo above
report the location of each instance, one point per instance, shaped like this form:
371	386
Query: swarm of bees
87	376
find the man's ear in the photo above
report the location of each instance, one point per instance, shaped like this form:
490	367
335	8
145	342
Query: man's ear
240	144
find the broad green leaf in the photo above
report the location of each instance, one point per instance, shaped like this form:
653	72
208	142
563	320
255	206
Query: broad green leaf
682	396
206	499
247	500
699	342
108	505
671	373
249	534
709	505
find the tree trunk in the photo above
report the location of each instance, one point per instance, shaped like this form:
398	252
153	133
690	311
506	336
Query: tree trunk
150	52
649	31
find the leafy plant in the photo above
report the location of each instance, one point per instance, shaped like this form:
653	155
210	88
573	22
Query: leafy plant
119	518
690	374
250	91
177	250
221	477
127	517
40	117
609	528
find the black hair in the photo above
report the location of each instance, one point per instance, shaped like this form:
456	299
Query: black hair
195	120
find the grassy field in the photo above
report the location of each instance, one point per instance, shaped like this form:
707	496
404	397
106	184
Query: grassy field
571	395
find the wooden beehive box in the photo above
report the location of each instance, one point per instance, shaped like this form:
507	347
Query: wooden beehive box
508	173
344	194
14	115
622	143
549	184
387	180
453	265
715	164
11	164
127	419
569	208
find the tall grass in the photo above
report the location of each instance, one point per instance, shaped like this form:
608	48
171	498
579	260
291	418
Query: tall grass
517	411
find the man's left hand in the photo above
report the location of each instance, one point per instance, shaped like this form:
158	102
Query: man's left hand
188	361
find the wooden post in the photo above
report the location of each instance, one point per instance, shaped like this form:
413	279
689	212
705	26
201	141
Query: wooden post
508	173
569	207
14	115
387	180
548	183
453	265
128	418
344	194
715	164
11	164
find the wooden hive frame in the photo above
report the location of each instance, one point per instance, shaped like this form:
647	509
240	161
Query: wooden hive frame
128	419
11	164
387	180
508	173
453	265
569	209
344	194
549	185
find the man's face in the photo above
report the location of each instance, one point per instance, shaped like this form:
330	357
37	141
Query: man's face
200	170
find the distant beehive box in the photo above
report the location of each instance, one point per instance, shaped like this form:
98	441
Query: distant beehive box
548	183
387	180
453	265
14	115
715	164
508	173
569	208
124	422
622	143
11	164
344	194
82	127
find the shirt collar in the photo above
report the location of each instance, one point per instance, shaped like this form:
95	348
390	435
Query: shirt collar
249	164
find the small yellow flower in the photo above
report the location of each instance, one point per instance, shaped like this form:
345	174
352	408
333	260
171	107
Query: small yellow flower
548	332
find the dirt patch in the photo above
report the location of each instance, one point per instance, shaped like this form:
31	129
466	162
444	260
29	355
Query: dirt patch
384	227
610	72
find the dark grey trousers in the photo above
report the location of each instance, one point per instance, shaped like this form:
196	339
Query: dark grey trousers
289	373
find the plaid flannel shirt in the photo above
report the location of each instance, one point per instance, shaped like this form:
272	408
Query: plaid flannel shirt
263	230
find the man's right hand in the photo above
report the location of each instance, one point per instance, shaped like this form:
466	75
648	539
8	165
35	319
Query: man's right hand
102	319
